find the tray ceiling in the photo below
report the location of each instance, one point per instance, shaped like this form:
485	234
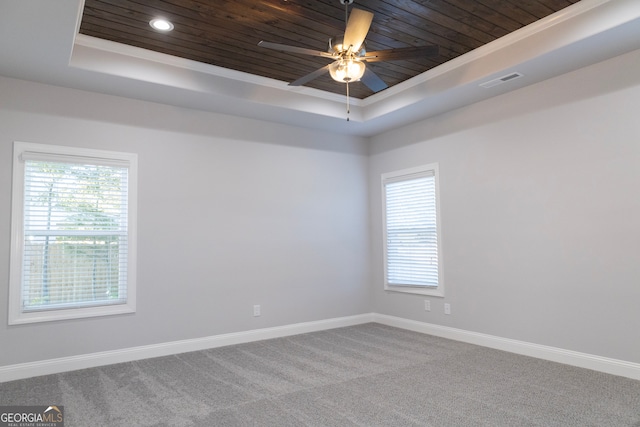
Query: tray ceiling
226	33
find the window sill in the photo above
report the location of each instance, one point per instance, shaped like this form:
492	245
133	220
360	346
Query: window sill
433	292
73	313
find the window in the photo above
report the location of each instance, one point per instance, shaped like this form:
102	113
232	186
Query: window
412	237
73	234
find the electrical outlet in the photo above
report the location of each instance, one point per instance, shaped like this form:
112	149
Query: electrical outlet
256	310
447	308
427	305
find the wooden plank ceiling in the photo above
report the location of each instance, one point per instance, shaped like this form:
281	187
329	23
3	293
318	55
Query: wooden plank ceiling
226	33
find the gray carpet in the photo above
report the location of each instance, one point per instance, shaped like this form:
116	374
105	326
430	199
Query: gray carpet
366	375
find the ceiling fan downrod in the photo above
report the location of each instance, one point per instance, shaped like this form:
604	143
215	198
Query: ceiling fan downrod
346	4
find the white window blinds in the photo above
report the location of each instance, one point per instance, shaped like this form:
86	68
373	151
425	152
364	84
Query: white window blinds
75	232
411	229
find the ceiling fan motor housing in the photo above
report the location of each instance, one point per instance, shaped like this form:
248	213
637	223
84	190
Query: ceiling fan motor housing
337	48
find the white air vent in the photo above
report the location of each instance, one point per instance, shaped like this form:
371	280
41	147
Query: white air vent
500	80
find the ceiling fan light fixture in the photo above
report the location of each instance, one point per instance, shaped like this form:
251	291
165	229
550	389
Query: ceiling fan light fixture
347	70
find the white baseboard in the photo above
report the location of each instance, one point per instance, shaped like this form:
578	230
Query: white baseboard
554	354
72	363
64	364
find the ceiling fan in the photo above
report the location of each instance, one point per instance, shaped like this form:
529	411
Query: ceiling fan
349	54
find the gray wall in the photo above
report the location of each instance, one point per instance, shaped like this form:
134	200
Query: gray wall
231	213
540	209
539	204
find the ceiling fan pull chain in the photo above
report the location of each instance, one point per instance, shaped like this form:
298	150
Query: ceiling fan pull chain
348	108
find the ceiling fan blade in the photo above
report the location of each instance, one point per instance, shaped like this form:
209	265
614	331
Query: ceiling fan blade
314	75
402	53
357	29
372	81
294	49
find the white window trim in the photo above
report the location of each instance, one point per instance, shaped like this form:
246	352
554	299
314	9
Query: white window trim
399	176
32	150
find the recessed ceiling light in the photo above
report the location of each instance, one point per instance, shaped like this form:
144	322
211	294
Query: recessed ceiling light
161	24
